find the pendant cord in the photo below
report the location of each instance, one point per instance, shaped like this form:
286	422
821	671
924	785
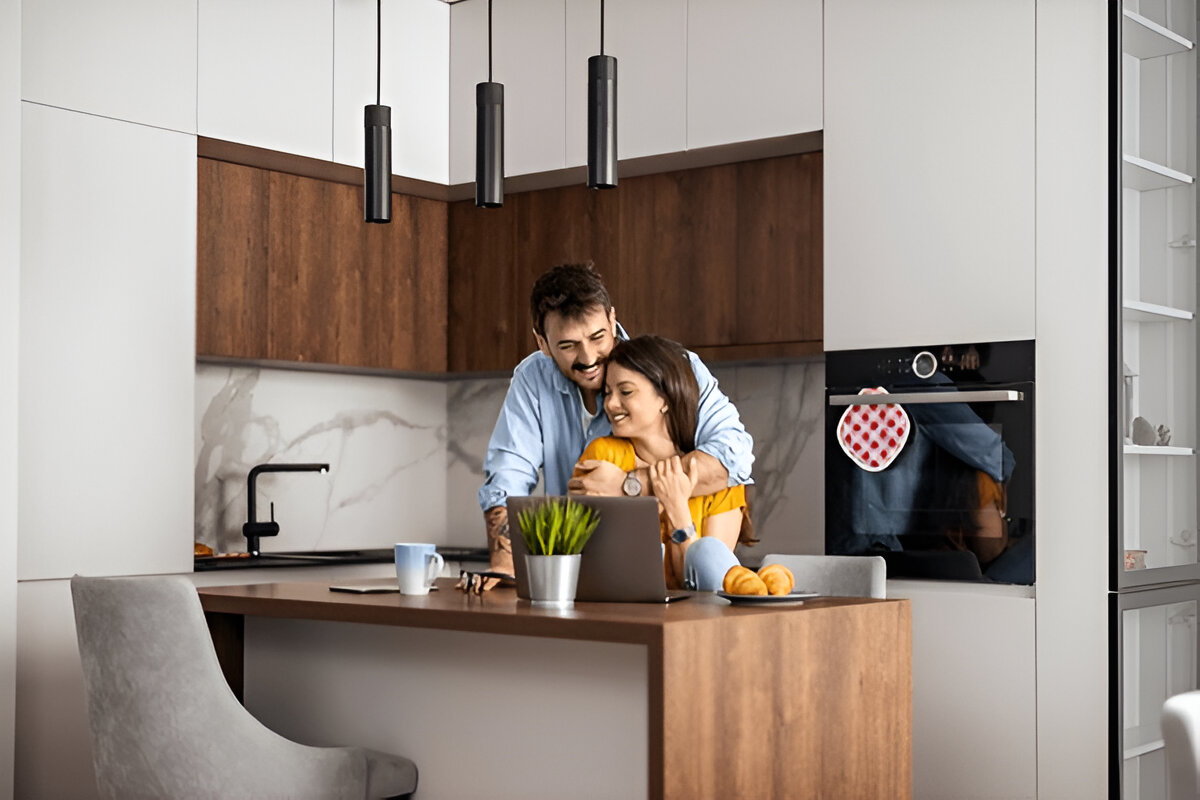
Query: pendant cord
489	41
379	45
601	26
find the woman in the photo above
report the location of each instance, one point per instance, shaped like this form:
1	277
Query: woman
651	397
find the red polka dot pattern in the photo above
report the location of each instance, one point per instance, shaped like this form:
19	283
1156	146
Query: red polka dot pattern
873	435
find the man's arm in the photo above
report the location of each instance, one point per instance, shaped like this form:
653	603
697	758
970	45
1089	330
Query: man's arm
515	452
720	435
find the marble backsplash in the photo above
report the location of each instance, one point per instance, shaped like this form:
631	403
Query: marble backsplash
406	455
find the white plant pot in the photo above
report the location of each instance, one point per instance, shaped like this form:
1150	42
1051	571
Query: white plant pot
552	579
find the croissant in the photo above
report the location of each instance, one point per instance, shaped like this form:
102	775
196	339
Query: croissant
740	580
778	578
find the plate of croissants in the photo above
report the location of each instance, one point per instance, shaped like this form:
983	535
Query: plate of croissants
773	583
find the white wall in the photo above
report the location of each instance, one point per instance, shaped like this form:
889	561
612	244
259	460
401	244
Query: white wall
10	262
1072	356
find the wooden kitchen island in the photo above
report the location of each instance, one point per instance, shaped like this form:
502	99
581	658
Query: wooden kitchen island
711	700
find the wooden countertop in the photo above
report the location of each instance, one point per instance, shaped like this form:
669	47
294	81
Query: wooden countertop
497	611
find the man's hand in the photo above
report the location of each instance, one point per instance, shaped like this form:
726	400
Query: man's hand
596	477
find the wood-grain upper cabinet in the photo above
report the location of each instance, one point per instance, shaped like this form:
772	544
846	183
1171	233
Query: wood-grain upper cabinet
287	270
725	259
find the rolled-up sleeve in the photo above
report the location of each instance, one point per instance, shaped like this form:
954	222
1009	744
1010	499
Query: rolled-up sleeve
515	451
719	429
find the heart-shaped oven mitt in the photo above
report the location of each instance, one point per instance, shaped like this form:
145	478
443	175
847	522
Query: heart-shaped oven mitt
873	435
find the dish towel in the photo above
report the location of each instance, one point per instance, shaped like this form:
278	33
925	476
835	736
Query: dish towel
873	435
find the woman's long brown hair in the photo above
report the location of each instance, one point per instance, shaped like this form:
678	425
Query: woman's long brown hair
666	365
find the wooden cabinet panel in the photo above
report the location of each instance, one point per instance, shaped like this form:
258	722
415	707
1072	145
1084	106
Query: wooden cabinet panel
678	255
725	259
302	278
231	260
779	272
488	316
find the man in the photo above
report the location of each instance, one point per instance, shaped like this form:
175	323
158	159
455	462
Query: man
554	408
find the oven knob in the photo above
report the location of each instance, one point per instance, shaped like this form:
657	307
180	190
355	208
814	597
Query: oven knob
924	365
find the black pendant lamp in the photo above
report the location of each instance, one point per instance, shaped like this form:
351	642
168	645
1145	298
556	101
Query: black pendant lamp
489	136
602	117
377	165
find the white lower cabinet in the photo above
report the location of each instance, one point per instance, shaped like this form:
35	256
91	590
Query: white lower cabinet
929	172
106	346
974	691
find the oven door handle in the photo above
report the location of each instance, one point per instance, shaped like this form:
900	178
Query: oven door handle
985	396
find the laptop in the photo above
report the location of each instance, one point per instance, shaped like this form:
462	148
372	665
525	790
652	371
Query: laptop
622	562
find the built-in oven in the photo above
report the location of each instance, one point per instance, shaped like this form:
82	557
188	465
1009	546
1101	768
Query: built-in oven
929	459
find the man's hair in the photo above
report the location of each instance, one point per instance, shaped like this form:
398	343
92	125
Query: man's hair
570	289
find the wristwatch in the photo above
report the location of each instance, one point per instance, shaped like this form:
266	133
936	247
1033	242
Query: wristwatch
632	487
681	535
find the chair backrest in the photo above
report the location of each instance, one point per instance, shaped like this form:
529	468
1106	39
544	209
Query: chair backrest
1181	739
164	722
836	576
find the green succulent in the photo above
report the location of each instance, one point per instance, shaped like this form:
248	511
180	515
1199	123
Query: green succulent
557	528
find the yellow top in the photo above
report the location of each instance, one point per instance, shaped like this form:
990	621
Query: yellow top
620	452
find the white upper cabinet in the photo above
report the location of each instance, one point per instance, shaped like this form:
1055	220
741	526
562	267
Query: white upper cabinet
265	74
649	41
415	82
527	57
107	347
133	60
754	69
929	172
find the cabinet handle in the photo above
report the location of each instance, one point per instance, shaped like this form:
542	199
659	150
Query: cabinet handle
991	396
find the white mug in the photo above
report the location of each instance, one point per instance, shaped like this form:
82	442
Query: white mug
417	565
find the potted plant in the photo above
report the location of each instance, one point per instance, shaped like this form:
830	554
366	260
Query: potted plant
555	533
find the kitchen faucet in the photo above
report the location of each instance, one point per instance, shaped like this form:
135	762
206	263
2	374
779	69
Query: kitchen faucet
253	529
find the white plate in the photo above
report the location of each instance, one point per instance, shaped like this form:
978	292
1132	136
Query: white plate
765	599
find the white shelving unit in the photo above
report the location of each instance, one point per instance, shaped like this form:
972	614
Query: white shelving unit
1158	450
1138	311
1158	345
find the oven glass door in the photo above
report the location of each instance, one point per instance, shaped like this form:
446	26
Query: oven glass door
955	501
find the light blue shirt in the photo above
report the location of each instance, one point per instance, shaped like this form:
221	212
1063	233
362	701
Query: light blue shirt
541	428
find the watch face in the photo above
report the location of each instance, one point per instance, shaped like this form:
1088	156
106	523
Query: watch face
679	536
632	486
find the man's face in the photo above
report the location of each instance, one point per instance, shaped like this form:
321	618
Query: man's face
580	346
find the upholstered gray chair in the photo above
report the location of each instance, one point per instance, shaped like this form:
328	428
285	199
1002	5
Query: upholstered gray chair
1181	740
836	576
164	722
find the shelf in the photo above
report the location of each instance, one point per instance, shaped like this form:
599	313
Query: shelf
1145	176
1158	450
1137	311
1141	740
1145	38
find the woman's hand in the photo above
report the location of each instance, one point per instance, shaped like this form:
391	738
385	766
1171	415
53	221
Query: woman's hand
673	486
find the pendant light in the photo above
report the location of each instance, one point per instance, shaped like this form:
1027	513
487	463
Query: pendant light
489	136
377	164
602	117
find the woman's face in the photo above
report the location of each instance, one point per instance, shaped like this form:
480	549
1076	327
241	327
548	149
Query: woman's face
634	406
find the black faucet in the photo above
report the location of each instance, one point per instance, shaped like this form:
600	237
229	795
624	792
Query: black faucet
253	529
